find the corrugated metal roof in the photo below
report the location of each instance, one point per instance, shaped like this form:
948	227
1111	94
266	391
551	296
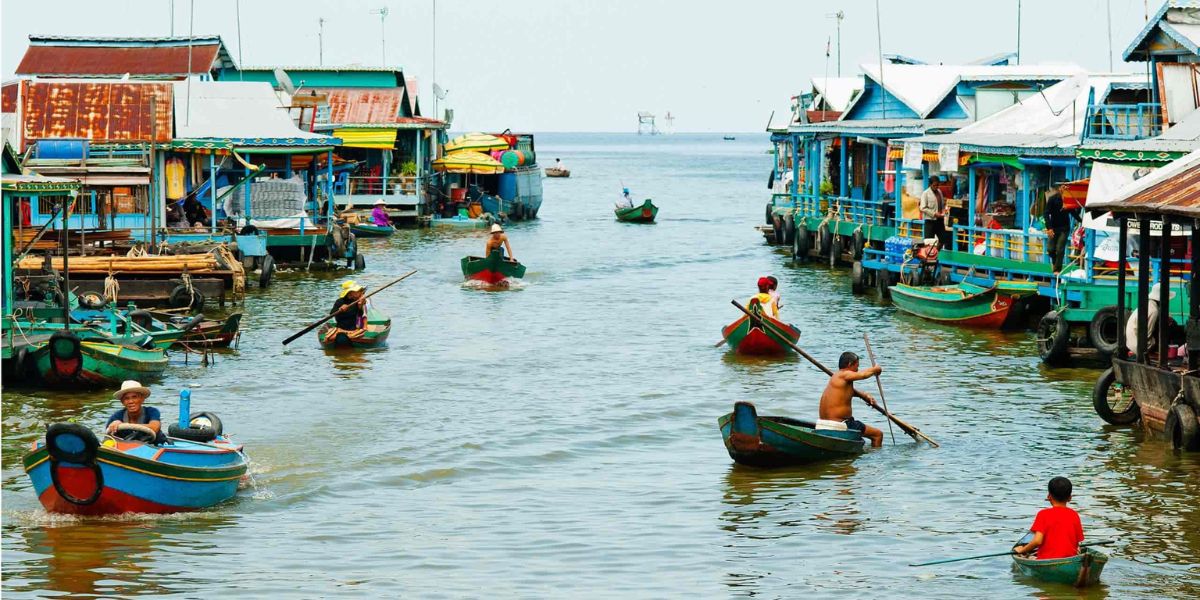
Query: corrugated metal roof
923	87
8	97
97	111
1171	190
245	113
115	61
372	107
879	126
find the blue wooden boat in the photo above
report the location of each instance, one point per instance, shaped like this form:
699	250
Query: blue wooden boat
1081	570
74	472
371	230
782	441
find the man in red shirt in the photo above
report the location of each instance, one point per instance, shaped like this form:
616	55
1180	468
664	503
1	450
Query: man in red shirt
1057	530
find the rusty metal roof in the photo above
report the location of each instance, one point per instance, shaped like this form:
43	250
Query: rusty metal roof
1170	190
8	97
97	111
114	57
364	105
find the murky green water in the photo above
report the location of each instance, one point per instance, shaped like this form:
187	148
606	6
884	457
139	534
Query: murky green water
561	437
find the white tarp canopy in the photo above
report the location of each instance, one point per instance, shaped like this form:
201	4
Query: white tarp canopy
237	110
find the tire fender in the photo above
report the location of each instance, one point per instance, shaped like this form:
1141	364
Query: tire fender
1100	403
1101	323
1053	336
1181	427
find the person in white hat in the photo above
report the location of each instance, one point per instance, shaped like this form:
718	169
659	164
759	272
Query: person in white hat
379	214
1131	326
497	240
133	397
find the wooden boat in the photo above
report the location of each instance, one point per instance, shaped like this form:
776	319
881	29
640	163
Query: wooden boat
1081	570
964	304
728	138
461	221
373	335
73	472
781	441
745	337
202	332
493	269
66	360
369	230
637	214
555	172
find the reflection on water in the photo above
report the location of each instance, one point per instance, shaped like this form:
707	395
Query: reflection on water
565	437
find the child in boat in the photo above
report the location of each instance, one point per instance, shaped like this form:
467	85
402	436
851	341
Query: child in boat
775	293
765	299
1057	530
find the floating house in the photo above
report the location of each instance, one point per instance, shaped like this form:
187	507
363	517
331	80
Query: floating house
386	146
131	58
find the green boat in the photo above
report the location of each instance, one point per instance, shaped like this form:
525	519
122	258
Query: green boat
493	269
1081	570
964	304
781	441
369	230
637	214
65	360
373	335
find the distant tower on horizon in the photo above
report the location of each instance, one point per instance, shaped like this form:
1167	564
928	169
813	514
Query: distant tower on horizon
668	124
646	125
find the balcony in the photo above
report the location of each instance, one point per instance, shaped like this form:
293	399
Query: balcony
1123	121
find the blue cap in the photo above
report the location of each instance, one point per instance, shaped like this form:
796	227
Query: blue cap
625	190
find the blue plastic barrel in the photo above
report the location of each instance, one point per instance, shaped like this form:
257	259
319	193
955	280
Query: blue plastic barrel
70	148
506	187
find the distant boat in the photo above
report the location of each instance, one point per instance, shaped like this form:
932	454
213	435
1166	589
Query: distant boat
556	172
729	138
637	214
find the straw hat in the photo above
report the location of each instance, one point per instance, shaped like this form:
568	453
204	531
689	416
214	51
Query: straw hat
496	228
131	386
349	286
1156	291
380	202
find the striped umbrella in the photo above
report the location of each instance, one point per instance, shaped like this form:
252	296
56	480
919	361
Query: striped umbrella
476	141
468	161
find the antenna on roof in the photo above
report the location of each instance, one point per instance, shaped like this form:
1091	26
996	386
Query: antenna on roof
839	15
383	13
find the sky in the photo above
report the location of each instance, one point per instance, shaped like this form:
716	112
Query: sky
591	65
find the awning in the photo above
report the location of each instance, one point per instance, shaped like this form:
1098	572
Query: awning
357	137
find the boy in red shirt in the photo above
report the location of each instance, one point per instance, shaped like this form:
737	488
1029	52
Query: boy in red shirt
1056	530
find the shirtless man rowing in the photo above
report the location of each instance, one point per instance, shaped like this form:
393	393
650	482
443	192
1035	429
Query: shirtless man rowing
836	399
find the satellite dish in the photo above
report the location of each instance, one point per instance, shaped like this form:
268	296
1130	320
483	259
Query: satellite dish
439	92
285	82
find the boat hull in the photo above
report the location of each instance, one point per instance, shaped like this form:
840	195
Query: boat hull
780	441
645	213
491	269
365	230
746	338
963	304
131	477
1081	570
374	335
100	364
553	172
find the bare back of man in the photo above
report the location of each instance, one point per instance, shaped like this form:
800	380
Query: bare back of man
839	394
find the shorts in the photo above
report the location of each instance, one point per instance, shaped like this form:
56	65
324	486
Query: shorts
854	425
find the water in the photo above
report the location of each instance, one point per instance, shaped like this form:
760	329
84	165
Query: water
562	436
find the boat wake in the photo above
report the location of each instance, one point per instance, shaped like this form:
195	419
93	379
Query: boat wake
504	286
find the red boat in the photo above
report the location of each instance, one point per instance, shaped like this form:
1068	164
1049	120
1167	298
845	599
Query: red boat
747	338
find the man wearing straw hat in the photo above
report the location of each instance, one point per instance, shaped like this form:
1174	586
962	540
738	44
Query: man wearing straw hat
497	240
132	396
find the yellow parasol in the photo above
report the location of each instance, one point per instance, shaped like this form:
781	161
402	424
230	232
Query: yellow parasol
467	161
475	141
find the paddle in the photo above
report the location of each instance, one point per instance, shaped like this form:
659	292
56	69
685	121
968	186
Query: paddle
1010	552
905	427
344	307
879	382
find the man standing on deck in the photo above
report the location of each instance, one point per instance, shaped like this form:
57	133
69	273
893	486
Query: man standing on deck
1058	227
933	210
836	399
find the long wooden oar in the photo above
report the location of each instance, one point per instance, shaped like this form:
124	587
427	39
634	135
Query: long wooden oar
950	560
344	307
879	382
905	427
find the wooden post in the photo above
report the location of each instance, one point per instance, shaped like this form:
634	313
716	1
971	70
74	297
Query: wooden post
1164	290
1122	258
1143	292
1193	323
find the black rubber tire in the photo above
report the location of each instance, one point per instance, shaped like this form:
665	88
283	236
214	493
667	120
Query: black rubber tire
267	272
22	369
789	229
804	243
193	322
180	298
1102	331
1182	429
83	456
857	278
197	433
835	252
212	418
1053	336
1100	401
860	242
883	281
92	300
360	262
777	230
770	216
824	240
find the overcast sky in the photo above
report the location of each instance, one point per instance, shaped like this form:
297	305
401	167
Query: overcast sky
591	65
